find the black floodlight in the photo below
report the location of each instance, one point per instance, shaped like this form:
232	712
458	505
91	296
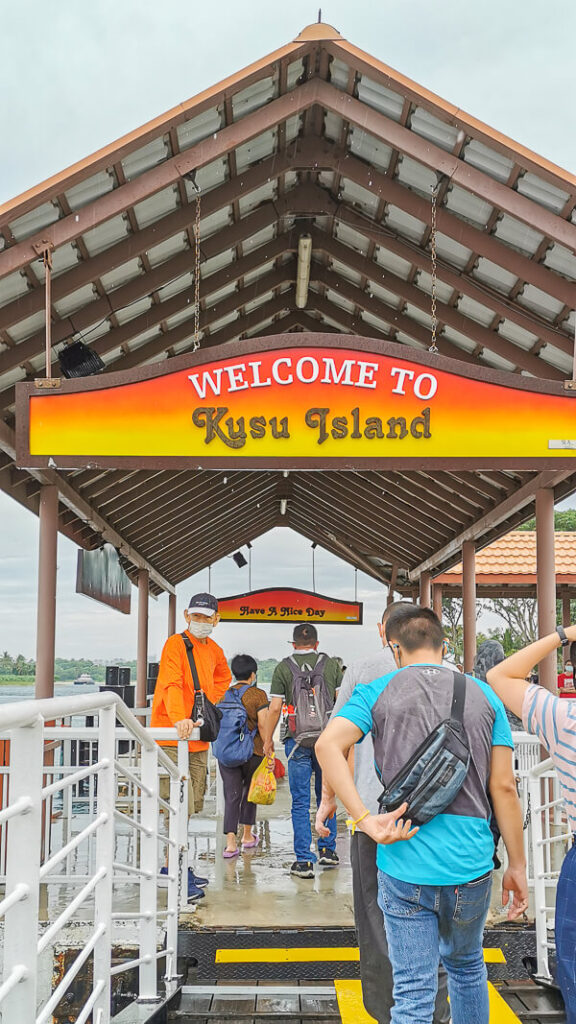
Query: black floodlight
239	559
77	360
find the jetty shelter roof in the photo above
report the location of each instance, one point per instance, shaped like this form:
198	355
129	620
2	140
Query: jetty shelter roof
317	138
507	567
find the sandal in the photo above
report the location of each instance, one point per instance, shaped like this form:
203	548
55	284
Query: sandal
228	854
254	843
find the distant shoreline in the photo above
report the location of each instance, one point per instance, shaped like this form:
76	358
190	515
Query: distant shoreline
30	680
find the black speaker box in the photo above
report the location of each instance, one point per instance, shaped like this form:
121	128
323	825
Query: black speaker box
153	667
124	674
112	672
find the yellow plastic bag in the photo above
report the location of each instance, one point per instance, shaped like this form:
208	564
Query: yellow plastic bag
263	785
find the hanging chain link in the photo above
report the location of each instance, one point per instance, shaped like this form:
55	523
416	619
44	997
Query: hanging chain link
528	817
196	342
433	346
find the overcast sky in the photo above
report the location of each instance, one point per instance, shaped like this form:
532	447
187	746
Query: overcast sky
74	76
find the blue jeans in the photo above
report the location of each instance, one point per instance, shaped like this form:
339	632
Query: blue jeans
566	934
300	767
425	923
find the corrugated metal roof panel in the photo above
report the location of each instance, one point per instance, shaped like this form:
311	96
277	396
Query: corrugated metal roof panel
451	251
213	298
174	287
542	192
370	149
165	250
468	206
359	197
562	261
512	332
474	310
258	196
266	235
395	264
539	301
256	95
292	127
295	71
181	317
141	339
207	123
256	149
561	360
217	262
157	206
63	258
419	315
404	224
27	327
11	377
339	74
144	159
216	221
124	315
374	321
76	300
517	234
333	296
405	339
121	275
255	275
37	219
495	164
185	345
89	189
99	329
351	237
332	126
344	271
491	359
377	96
493	275
207	178
383	294
423	123
423	281
12	287
414	174
105	235
228	319
459	340
260	300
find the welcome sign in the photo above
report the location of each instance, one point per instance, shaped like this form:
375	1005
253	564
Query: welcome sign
289	604
301	401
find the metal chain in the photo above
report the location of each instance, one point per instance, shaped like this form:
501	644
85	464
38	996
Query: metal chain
528	817
196	342
433	346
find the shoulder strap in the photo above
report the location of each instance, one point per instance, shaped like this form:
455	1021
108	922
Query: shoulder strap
458	697
190	655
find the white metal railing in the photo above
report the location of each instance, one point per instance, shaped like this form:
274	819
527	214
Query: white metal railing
72	834
549	839
527	754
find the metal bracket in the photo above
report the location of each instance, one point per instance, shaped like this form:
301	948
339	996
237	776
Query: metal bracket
44	246
570	385
47	383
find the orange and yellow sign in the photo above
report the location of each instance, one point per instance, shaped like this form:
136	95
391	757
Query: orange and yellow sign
305	404
289	604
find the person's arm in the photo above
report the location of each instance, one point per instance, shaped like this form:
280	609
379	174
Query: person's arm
508	679
272	718
262	719
221	679
332	751
328	807
508	812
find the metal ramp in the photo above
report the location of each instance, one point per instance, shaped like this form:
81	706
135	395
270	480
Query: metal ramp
259	975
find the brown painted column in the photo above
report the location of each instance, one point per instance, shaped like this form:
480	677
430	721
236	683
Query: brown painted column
469	603
142	654
425	590
171	614
47	569
546	577
437	599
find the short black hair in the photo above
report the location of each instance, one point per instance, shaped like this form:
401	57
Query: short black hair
391	609
243	665
415	628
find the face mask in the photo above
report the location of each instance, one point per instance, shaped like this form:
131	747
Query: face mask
569	670
200	629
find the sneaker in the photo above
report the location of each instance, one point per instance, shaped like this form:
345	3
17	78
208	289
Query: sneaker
302	869
197	879
328	858
194	891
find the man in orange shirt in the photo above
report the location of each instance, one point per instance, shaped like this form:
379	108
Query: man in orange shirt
174	700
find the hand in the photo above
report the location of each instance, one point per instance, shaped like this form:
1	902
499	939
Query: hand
269	748
388	828
327	809
515	884
184	728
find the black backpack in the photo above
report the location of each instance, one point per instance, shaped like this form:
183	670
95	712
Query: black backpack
435	773
311	700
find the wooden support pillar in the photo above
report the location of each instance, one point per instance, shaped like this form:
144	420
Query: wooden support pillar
171	614
47	571
437	599
425	596
142	653
469	603
565	622
546	581
393	578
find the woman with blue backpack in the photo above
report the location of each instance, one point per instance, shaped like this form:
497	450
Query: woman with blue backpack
239	751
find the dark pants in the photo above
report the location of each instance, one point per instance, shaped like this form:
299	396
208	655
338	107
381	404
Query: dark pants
236	782
375	969
566	934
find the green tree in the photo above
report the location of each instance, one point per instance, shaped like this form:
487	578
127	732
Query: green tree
562	521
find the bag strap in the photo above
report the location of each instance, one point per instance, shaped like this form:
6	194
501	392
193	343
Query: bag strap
190	655
458	698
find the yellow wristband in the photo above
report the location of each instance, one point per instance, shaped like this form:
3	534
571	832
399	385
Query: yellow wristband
351	823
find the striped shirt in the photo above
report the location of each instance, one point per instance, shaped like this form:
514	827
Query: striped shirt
553	721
